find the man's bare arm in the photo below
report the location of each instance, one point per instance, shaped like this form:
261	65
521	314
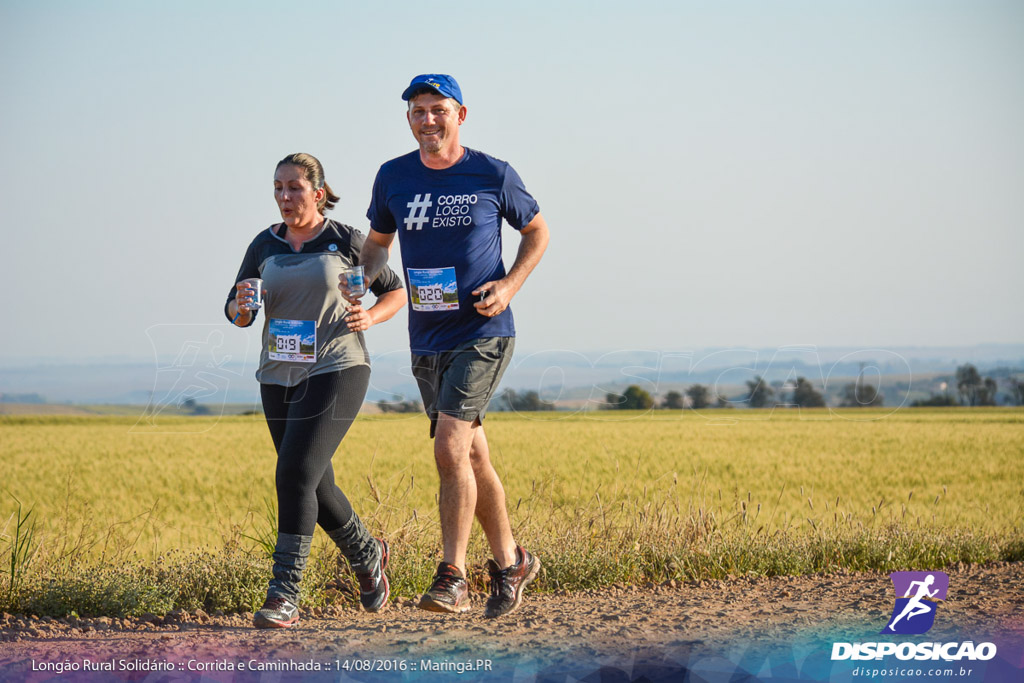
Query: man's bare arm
372	257
534	240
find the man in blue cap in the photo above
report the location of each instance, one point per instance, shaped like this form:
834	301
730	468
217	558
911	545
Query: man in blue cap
446	202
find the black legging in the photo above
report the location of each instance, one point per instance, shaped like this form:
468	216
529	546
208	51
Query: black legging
308	422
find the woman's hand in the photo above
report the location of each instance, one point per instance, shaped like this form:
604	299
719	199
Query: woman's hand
388	303
346	293
243	295
242	314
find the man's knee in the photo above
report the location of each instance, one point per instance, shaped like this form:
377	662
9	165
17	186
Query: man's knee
449	463
453	442
480	458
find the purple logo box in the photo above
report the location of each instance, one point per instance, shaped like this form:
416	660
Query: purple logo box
901	582
917	598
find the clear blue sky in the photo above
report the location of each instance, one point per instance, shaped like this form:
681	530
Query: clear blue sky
714	174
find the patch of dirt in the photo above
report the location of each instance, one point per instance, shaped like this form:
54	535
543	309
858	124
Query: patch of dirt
621	623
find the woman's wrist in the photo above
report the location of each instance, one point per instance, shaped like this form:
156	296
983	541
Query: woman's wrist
242	315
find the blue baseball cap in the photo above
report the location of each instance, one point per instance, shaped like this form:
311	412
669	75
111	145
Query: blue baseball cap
442	84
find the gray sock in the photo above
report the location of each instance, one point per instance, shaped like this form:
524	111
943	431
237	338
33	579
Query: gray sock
356	544
290	557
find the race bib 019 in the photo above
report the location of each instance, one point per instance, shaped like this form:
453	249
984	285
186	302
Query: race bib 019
433	289
292	340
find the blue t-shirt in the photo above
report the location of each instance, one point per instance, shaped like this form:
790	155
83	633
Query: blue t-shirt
449	230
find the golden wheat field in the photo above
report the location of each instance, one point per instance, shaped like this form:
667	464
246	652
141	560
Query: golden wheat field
190	482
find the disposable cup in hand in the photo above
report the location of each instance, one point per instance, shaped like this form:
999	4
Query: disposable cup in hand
254	285
356	282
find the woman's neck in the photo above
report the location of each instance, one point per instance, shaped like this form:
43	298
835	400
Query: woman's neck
298	234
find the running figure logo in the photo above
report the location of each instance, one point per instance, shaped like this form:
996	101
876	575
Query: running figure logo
417	212
916	596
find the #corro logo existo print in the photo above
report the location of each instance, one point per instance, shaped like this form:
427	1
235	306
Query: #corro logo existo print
917	598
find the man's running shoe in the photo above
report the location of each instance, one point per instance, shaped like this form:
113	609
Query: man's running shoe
374	588
276	613
507	584
448	593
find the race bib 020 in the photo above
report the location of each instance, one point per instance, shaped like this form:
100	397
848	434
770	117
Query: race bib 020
292	340
433	289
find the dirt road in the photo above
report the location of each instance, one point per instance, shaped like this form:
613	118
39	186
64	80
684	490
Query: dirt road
657	632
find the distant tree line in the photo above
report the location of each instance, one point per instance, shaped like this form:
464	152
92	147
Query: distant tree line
193	407
634	398
1016	390
696	397
800	393
398	404
527	401
974	390
971	390
22	398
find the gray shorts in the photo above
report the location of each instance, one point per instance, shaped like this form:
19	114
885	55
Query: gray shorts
461	382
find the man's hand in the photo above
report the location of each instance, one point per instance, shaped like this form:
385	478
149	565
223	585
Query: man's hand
358	318
533	241
494	297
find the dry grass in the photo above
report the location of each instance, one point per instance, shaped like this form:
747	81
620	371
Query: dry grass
134	517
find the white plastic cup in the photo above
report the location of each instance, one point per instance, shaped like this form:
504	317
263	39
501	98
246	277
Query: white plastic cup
255	285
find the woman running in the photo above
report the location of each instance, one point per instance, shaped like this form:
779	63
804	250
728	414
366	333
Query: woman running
314	371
